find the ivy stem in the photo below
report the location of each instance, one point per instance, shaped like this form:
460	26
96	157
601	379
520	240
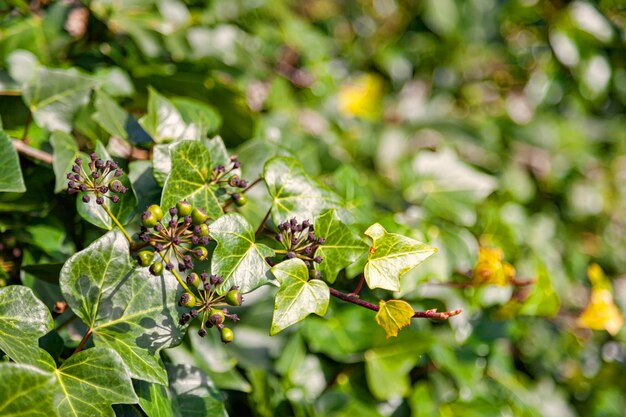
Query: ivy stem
24	149
428	314
83	342
357	290
117	222
262	225
252	184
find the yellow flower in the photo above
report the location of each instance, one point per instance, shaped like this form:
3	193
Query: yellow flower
361	97
491	269
601	313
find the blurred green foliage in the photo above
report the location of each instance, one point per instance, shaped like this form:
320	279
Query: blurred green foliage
458	123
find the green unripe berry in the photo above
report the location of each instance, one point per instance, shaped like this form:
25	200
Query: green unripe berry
227	335
240	199
156	210
148	219
193	279
184	208
233	298
188	300
204	229
198	216
201	253
216	317
145	257
156	268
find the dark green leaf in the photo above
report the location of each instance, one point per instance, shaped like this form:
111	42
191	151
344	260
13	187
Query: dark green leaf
237	258
11	179
46	272
294	193
190	179
341	247
65	152
297	296
391	256
23	320
54	96
117	122
126	308
154	399
165	123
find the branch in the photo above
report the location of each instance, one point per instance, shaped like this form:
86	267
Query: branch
24	149
428	314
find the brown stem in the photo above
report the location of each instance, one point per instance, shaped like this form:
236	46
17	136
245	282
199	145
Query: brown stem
83	342
230	200
262	225
429	314
357	290
24	149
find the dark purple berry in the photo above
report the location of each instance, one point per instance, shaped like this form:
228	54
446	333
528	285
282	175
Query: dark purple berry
291	255
202	332
115	199
318	259
86	199
100	201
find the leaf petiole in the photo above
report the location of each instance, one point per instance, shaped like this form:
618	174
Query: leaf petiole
117	223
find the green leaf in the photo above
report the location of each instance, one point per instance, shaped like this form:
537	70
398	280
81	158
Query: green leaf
164	122
387	367
91	381
294	193
127	308
543	300
194	393
11	179
123	209
393	316
391	256
297	296
26	391
54	97
23	320
237	258
190	179
154	399
199	114
65	152
117	122
341	247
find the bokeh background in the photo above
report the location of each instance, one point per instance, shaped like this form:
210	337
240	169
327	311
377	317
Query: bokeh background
464	124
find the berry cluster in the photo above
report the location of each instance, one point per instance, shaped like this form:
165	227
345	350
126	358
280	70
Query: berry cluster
182	238
101	180
222	175
206	302
299	241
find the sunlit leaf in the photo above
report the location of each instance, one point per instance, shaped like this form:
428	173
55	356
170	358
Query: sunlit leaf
362	97
601	313
391	256
298	296
20	385
543	300
393	316
491	268
238	258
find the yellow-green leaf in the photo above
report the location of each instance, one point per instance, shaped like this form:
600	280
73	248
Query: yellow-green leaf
393	316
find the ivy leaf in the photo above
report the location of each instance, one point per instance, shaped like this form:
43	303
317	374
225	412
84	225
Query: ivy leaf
117	122
164	122
190	179
201	115
20	385
65	152
341	247
194	393
391	256
23	320
123	210
92	380
11	179
237	258
126	308
543	300
154	399
393	316
297	296
294	193
55	96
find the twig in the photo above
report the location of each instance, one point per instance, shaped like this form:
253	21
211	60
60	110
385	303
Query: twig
230	201
83	342
262	225
429	314
357	290
24	149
